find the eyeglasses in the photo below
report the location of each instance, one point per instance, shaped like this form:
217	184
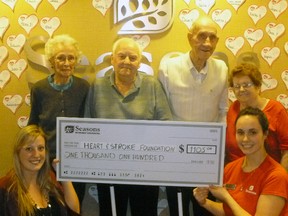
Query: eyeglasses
64	58
203	37
243	85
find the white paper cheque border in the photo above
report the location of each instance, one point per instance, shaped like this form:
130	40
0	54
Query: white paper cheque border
140	152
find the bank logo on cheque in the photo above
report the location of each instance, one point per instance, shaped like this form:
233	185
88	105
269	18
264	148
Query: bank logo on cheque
81	130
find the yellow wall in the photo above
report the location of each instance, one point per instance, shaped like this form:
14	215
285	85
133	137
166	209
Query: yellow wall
96	33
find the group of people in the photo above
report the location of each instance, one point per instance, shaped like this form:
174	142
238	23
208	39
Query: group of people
190	87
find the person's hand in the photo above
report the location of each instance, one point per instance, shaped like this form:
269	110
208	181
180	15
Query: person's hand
54	163
201	194
220	193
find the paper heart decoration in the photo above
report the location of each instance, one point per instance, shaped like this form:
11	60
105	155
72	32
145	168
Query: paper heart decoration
275	31
102	5
12	102
268	82
4	78
93	192
256	12
270	54
56	3
231	95
4	25
27	22
27	100
205	5
143	40
188	16
16	42
253	36
221	17
50	24
277	7
17	67
22	121
285	48
162	205
236	3
10	3
34	3
3	54
283	99
187	2
284	76
234	44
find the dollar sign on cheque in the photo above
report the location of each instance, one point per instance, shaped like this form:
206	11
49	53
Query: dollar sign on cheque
181	148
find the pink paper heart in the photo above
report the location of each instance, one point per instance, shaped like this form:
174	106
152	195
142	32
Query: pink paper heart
34	3
236	3
283	99
12	102
275	30
221	17
50	24
234	44
277	7
205	5
268	82
17	67
57	3
4	25
256	12
253	36
270	54
22	121
16	42
188	16
27	22
102	5
284	76
4	78
3	54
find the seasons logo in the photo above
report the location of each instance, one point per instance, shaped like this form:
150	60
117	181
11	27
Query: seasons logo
81	130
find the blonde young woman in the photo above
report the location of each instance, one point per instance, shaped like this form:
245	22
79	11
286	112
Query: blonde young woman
30	187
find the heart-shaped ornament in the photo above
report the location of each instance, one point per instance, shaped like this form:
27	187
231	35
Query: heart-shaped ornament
34	3
4	25
56	3
234	44
268	82
187	2
102	5
221	17
50	24
12	102
270	54
275	30
93	192
17	67
283	99
27	99
277	7
10	3
188	17
256	12
231	95
3	54
16	42
4	78
236	3
253	36
142	40
27	22
284	76
205	5
285	48
22	121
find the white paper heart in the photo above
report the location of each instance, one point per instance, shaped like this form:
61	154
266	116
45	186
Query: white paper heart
12	102
236	3
187	2
283	99
205	5
50	24
4	25
10	3
234	44
268	82
256	12
275	31
17	67
284	76
93	192
270	54
102	5
22	121
56	3
253	36
231	95
4	78
34	3
285	47
27	99
16	42
27	22
3	54
277	7
188	16
221	17
142	40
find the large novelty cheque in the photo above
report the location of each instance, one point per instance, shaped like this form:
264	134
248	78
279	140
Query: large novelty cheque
140	152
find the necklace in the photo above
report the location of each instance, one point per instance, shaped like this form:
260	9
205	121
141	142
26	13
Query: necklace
41	211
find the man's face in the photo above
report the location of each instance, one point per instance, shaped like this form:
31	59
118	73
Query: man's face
203	42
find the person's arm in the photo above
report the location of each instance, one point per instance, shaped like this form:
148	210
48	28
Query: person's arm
284	159
34	112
